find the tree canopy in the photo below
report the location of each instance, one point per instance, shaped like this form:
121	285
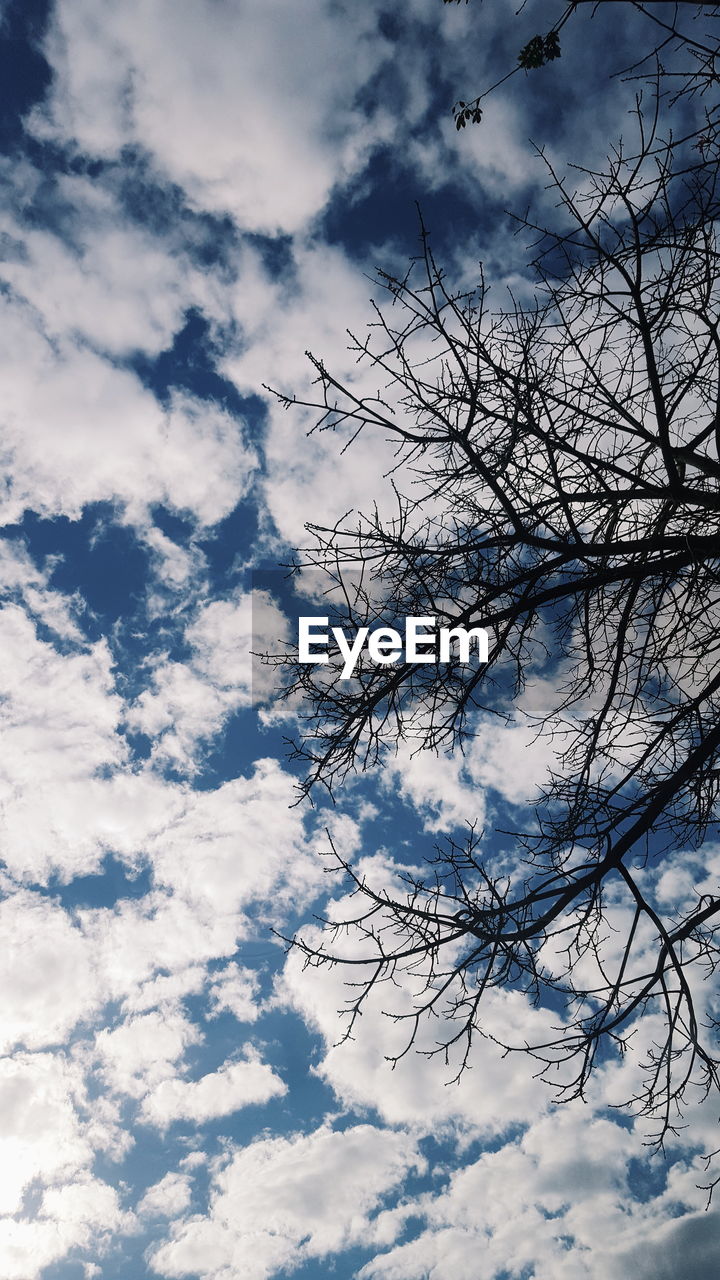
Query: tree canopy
557	481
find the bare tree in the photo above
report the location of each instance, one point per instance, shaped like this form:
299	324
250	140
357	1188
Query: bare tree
558	481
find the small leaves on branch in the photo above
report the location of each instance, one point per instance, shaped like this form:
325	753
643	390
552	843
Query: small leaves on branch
539	51
679	53
467	113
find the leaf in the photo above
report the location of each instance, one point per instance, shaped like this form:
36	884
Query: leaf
539	50
552	46
465	112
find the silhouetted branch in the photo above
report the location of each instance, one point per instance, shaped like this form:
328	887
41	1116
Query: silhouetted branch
564	468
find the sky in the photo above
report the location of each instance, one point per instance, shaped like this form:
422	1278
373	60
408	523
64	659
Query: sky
194	192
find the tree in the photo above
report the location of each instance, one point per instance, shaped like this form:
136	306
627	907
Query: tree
558	481
683	50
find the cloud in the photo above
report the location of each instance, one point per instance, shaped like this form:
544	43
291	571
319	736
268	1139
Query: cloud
283	1201
189	702
21	581
144	1050
451	790
48	982
85	289
248	107
235	991
322	294
378	1068
65	273
232	1086
687	1246
41	1136
238	844
80	1215
72	795
46	1150
511	759
167	1198
438	787
59	719
78	430
558	1203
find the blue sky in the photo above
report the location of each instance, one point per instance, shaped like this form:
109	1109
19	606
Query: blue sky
193	193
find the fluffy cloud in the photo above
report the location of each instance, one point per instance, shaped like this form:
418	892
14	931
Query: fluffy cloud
79	1215
167	1198
42	1137
72	796
573	1213
47	1148
144	1050
232	1086
307	477
439	787
93	252
237	844
190	701
494	1093
506	762
23	582
56	986
80	297
78	430
59	718
234	990
248	107
142	1058
286	1200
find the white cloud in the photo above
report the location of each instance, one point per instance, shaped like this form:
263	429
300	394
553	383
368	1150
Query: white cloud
21	579
150	280
47	1146
239	843
59	717
306	476
71	796
167	1198
282	1201
79	430
77	426
86	1206
144	1050
232	1086
189	702
439	788
235	991
41	1135
163	990
557	1203
495	1092
511	759
450	791
180	711
686	1246
247	106
48	982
